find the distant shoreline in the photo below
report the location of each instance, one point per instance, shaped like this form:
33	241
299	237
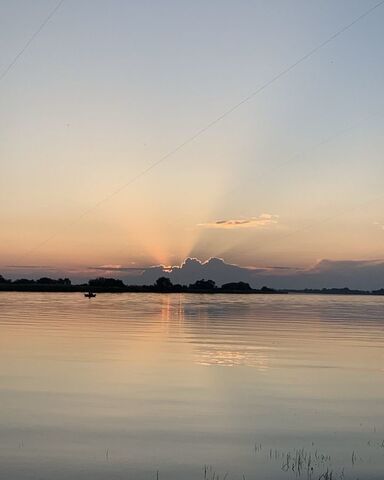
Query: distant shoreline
128	289
151	289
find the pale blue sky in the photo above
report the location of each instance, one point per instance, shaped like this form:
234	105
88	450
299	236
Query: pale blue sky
107	88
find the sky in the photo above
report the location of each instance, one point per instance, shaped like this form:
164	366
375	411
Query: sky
107	89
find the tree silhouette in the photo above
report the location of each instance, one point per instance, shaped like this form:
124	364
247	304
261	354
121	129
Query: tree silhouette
203	285
237	286
163	283
105	282
46	281
23	281
267	289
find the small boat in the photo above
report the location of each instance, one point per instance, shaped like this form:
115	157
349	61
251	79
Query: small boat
89	295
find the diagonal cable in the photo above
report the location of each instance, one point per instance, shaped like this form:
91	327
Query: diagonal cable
30	40
208	126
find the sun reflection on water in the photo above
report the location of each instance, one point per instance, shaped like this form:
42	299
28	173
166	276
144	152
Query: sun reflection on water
233	358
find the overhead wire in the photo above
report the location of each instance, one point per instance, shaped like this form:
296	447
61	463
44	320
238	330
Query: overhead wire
21	52
202	130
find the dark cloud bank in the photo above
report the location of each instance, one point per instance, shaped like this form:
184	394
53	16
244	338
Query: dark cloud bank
365	275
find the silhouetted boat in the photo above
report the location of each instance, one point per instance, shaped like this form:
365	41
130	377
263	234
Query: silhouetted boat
90	295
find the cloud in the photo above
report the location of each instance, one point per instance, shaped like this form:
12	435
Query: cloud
193	269
263	220
32	267
361	274
116	268
379	225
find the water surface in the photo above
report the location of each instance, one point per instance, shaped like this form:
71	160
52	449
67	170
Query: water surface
191	386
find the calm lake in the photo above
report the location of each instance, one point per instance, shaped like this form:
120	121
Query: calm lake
123	386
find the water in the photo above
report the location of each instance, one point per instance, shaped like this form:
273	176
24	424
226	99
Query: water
125	385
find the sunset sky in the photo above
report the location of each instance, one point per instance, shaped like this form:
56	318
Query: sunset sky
106	89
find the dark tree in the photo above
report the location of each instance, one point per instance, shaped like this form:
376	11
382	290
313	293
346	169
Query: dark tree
378	292
236	286
105	282
3	280
46	281
163	283
203	285
23	281
267	290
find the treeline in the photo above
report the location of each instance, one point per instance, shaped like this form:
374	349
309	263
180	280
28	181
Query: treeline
162	284
338	291
40	281
106	284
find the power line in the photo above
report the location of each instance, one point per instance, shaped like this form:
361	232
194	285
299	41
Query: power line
299	156
208	126
9	67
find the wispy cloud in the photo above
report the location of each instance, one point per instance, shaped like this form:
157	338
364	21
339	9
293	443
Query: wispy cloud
117	268
263	220
379	225
32	267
